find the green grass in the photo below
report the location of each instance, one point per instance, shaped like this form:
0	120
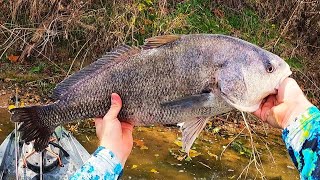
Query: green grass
295	62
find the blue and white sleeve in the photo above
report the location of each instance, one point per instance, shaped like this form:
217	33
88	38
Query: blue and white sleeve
302	138
103	164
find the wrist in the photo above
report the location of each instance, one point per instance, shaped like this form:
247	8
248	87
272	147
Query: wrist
295	108
115	151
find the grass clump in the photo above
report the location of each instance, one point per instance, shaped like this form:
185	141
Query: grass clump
295	62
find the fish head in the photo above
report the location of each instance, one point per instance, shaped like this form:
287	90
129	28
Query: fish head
250	77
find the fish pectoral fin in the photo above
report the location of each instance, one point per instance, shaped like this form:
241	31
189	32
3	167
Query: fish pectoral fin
118	54
190	102
158	41
191	130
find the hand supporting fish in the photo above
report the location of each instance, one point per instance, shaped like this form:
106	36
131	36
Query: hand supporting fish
171	79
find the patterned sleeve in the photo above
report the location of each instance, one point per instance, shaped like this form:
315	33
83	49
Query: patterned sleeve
103	164
302	139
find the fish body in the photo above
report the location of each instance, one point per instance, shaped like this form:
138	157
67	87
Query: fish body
169	80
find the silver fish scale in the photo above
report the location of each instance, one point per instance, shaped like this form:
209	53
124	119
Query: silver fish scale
144	82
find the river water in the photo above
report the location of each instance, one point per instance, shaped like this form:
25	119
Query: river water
157	155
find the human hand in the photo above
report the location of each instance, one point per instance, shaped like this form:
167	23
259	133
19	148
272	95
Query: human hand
280	109
113	134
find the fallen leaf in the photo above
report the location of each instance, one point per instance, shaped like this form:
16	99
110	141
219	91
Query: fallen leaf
218	13
144	147
139	143
13	58
11	107
178	143
188	158
193	153
216	130
22	104
154	171
134	166
213	155
180	158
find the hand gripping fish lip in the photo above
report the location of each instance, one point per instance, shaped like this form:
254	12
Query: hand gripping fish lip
282	79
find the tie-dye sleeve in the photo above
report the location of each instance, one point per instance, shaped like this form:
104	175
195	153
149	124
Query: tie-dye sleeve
302	138
103	164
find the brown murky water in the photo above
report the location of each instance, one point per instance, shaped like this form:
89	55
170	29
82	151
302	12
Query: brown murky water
156	155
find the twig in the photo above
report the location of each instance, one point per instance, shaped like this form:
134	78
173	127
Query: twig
285	29
34	49
204	165
74	59
252	145
309	79
231	142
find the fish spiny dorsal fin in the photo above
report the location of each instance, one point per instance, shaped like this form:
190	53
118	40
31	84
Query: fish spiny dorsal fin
120	53
158	41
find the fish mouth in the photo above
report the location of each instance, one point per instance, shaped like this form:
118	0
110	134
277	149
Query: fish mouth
255	107
286	75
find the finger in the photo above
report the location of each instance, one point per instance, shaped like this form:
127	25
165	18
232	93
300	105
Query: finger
266	105
288	85
115	108
127	126
98	123
127	137
277	114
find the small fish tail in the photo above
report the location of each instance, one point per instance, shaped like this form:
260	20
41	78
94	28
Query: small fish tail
31	126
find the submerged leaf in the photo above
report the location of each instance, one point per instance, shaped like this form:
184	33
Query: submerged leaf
154	171
212	155
144	147
180	158
134	166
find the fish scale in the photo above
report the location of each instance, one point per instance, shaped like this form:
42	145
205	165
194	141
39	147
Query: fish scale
171	79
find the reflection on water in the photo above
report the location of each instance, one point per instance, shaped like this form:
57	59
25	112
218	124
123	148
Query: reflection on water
5	125
156	156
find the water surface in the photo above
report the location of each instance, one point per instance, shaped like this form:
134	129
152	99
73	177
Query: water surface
157	154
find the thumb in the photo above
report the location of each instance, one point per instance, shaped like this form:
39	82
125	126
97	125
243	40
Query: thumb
115	108
276	115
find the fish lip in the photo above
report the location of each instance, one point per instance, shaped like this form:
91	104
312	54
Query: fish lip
282	79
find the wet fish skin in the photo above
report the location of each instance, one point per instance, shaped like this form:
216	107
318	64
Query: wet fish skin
186	77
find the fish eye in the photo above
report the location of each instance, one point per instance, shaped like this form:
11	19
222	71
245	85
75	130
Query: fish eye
269	68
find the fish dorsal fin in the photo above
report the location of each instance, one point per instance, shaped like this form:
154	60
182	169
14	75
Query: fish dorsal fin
120	53
158	41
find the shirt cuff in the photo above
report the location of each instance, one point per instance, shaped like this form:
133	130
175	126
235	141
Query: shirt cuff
301	129
103	164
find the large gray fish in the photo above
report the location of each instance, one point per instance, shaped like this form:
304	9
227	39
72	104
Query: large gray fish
171	79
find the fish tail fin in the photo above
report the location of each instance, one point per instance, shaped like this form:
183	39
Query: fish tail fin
31	126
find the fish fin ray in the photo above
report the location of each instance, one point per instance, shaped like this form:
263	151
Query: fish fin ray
191	130
158	41
120	53
30	126
189	102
